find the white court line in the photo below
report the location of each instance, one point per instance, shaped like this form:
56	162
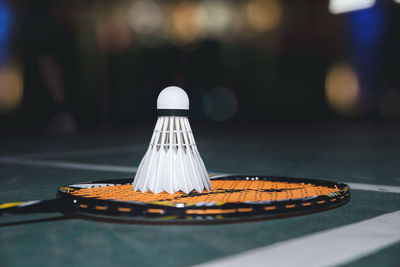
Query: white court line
83	152
68	165
327	248
131	170
375	187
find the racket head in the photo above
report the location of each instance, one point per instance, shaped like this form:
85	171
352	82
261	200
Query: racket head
233	198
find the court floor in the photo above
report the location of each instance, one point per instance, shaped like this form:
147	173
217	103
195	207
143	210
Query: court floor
364	232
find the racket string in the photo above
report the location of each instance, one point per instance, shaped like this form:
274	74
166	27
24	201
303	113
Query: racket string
233	191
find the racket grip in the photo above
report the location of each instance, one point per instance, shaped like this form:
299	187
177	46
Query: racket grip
34	206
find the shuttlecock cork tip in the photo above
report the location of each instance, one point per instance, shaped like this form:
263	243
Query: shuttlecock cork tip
172	98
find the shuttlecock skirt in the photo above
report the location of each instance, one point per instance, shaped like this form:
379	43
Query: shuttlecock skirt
172	161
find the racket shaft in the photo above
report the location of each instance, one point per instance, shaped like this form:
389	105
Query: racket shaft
35	206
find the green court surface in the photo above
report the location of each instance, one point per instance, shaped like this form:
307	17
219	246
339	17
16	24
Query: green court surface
364	155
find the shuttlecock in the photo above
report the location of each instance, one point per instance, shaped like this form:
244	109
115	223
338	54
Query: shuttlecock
172	161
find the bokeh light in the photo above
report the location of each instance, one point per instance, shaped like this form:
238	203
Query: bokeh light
342	6
219	17
238	25
390	105
11	88
113	32
342	89
187	22
220	104
263	15
5	27
145	16
5	21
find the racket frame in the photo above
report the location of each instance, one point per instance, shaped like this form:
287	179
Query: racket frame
92	208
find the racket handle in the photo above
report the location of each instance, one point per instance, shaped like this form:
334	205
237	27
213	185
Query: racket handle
34	206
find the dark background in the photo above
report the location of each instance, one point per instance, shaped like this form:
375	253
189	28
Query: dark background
70	65
290	88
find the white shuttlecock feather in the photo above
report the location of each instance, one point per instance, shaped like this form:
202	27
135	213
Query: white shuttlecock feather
172	161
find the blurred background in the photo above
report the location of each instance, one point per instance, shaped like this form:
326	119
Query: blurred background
68	65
